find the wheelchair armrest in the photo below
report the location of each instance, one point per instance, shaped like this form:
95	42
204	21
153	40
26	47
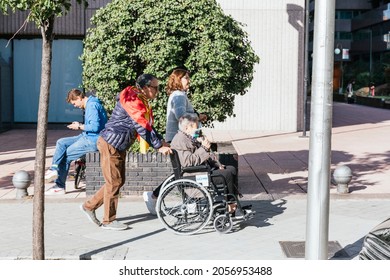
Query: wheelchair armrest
198	168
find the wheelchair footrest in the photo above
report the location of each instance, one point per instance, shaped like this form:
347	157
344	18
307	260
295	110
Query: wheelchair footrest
249	214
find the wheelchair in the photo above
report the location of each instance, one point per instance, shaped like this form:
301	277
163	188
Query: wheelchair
189	200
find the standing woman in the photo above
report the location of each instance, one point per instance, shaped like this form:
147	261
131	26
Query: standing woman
178	102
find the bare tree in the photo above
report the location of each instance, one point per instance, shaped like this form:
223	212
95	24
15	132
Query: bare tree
43	13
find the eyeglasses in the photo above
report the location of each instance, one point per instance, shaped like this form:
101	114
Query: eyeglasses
156	88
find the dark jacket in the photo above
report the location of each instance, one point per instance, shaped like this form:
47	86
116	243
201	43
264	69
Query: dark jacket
127	120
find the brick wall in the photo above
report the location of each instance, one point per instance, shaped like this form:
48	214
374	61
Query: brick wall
144	172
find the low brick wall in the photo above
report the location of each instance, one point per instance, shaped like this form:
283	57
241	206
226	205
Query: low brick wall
144	172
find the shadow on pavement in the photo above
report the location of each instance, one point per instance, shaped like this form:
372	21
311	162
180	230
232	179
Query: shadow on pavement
274	175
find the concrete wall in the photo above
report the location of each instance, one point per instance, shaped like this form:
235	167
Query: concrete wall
275	100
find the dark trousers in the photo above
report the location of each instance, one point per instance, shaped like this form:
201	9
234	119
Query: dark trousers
230	175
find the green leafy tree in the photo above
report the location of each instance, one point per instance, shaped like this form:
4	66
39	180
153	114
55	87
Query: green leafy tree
131	37
43	13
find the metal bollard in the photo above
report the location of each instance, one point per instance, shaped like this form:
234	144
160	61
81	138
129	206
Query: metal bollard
21	181
342	177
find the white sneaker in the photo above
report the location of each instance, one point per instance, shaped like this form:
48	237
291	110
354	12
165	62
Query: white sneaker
51	175
150	202
55	190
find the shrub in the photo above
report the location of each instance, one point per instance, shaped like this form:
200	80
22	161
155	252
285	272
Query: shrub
131	37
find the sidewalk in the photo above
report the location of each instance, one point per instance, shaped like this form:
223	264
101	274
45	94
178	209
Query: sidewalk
273	170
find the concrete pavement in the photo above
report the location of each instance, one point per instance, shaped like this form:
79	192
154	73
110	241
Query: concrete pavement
273	171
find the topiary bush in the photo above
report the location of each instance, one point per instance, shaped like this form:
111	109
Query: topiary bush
131	37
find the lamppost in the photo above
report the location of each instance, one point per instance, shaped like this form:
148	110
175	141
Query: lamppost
339	50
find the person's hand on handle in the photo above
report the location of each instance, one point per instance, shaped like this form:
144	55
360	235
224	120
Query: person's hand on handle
165	150
165	144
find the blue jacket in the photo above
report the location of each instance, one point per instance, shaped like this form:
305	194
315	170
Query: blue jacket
95	117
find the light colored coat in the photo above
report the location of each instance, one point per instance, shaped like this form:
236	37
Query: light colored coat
189	154
178	104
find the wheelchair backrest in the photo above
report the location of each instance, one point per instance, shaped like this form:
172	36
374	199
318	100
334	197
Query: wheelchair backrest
176	166
178	170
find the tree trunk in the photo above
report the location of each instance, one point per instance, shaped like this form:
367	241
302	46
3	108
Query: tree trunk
39	168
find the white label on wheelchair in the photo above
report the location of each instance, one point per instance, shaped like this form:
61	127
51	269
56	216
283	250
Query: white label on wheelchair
202	179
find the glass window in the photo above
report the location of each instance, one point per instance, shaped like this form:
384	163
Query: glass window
344	14
66	74
344	35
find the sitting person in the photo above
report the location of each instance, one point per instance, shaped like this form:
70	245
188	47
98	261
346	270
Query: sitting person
71	148
194	150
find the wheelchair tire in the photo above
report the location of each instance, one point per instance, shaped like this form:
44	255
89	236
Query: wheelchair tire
184	207
223	223
168	180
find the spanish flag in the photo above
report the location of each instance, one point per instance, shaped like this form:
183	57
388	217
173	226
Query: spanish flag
144	146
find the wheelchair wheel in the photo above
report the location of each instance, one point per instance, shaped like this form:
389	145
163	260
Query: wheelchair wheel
168	180
184	207
223	223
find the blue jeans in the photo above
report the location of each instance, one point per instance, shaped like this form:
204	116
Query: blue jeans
69	149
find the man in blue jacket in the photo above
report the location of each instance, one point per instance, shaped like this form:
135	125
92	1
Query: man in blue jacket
71	148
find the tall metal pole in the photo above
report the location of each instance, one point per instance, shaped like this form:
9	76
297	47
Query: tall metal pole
317	222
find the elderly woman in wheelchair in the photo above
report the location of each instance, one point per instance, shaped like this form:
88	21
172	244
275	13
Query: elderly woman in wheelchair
201	189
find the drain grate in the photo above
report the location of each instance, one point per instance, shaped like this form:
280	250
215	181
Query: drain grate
296	249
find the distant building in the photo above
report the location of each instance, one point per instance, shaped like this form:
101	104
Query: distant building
362	31
274	101
20	67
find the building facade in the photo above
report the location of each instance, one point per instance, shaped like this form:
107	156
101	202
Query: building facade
274	102
361	41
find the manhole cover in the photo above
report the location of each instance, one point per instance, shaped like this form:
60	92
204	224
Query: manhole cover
296	249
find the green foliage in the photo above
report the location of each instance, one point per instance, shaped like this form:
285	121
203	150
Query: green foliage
358	70
363	79
132	37
40	10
